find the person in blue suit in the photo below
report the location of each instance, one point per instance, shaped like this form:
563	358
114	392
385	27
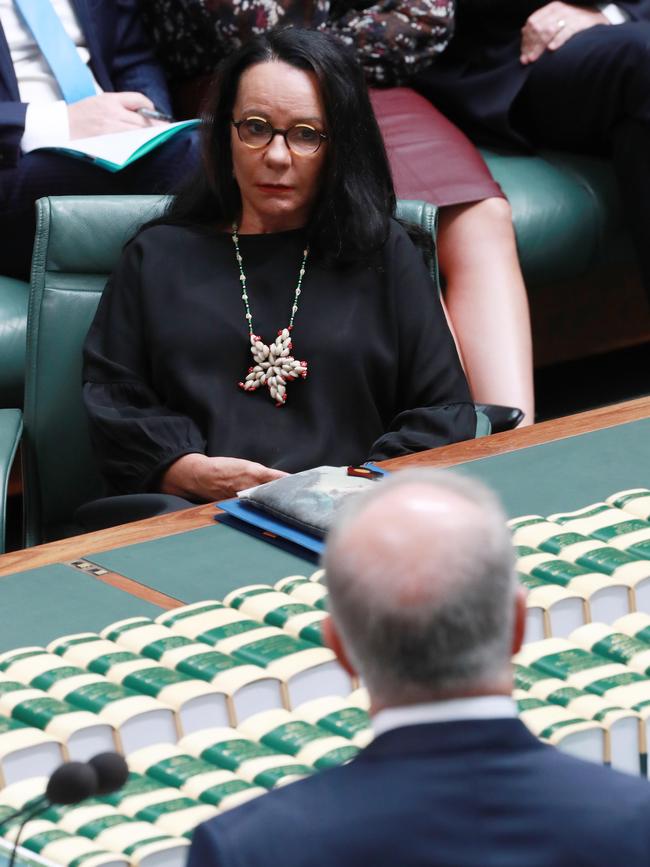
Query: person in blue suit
110	39
570	76
425	606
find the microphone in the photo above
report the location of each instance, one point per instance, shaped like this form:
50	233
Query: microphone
73	782
111	771
70	783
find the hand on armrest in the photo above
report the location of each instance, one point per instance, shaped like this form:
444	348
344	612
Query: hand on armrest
202	478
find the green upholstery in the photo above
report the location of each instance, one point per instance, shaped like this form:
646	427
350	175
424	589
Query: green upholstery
564	206
14	295
424	215
11	426
78	242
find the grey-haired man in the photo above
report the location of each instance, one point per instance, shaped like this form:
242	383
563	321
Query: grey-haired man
426	607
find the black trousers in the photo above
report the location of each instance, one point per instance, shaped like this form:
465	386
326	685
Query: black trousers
43	173
593	95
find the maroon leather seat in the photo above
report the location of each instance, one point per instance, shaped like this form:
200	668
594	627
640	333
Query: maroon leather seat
431	159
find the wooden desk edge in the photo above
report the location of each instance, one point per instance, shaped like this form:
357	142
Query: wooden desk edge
66	550
75	547
511	441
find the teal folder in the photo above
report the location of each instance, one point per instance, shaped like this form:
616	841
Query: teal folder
116	151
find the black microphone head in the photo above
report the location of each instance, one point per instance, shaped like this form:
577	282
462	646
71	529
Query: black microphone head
112	772
72	782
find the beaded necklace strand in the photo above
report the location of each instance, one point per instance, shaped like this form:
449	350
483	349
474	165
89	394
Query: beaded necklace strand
274	364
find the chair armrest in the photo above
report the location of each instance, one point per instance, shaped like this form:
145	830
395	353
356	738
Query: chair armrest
500	418
483	424
14	297
11	428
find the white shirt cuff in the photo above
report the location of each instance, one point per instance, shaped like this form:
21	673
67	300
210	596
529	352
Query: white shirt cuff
46	125
613	13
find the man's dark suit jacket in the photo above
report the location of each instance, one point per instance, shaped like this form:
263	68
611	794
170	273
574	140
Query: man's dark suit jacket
477	78
120	59
480	793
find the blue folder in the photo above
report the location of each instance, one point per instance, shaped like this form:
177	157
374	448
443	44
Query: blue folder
247	517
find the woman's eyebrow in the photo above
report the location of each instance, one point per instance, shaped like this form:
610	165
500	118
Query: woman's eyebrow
297	118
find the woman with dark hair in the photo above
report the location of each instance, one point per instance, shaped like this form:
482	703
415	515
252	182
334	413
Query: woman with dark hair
289	232
355	178
483	289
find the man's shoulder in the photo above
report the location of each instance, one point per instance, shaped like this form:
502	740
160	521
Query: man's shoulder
584	806
301	798
277	826
396	789
564	769
595	782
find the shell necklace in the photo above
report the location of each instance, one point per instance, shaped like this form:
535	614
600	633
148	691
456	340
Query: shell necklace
274	364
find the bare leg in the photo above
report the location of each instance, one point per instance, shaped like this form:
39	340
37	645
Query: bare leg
486	301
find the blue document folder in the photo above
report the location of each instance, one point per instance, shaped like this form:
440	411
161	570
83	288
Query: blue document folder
270	527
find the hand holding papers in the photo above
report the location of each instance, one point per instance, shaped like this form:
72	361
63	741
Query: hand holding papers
115	151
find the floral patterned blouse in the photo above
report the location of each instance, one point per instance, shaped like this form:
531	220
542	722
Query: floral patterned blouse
393	39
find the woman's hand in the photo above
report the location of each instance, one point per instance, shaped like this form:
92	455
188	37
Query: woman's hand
550	26
202	478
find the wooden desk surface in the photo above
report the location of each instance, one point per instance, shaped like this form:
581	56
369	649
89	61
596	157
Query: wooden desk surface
68	550
548	431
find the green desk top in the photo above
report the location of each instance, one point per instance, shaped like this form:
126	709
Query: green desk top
210	562
565	475
42	604
203	564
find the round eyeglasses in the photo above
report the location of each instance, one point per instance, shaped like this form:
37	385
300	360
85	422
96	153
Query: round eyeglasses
255	132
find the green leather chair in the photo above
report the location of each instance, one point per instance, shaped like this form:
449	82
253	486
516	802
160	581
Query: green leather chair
78	242
14	295
564	206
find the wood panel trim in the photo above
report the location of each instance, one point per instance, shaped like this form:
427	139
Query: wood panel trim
128	585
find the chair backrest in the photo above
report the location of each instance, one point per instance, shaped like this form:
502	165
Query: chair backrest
424	216
78	242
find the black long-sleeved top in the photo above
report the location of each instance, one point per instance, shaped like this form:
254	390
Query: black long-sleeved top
170	343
